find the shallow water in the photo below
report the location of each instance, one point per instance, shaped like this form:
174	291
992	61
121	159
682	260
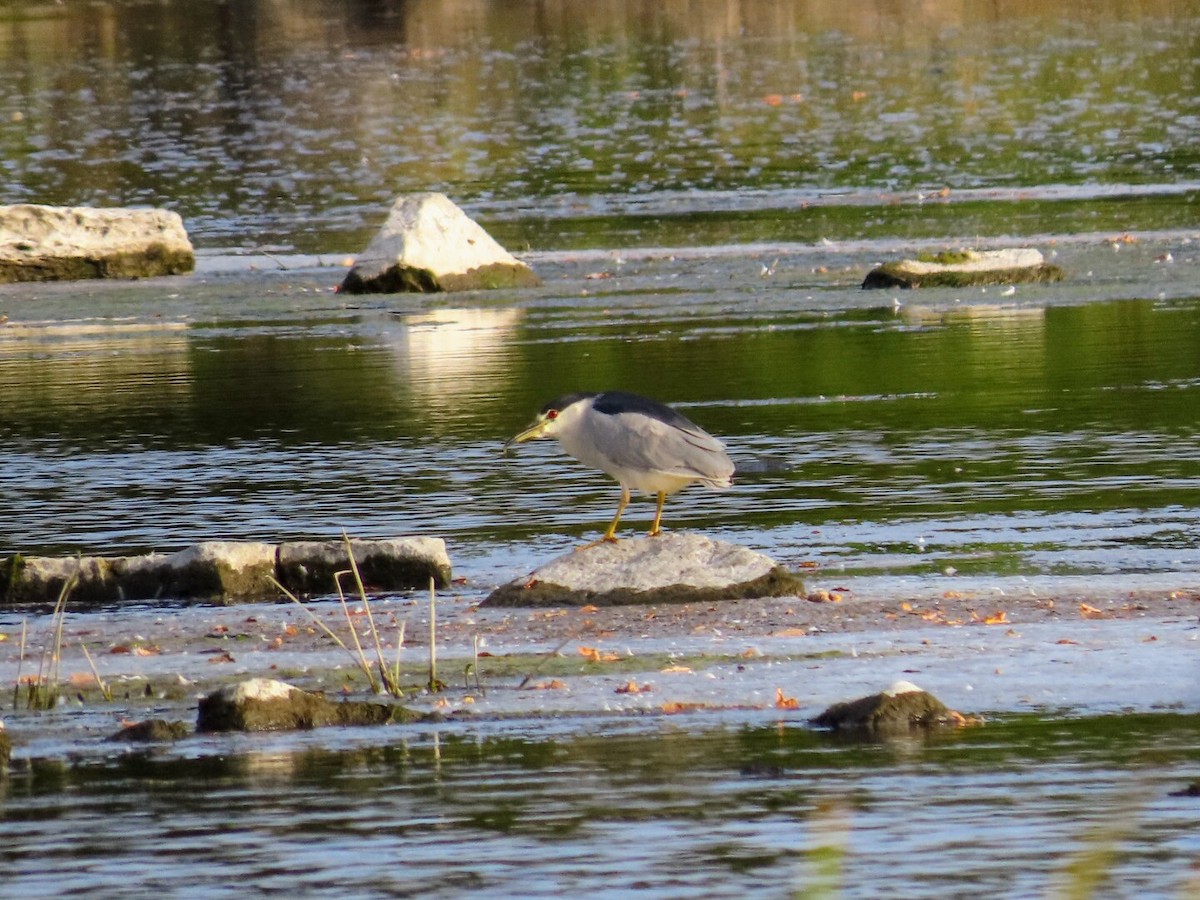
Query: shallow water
661	809
989	441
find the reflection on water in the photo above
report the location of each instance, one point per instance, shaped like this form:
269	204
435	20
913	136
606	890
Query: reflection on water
445	355
532	811
978	436
294	125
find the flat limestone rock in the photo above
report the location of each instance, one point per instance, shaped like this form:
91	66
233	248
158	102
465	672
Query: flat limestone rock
219	570
429	245
670	568
307	567
963	269
61	243
222	572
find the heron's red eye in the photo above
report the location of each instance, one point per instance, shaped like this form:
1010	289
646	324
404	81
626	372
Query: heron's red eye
552	414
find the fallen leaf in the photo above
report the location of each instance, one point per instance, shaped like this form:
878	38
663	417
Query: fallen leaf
119	648
790	632
591	654
291	630
223	657
1148	638
82	679
1066	641
996	618
858	96
906	606
632	687
589	609
3	637
147	650
773	99
552	685
1091	612
676	706
782	702
675	669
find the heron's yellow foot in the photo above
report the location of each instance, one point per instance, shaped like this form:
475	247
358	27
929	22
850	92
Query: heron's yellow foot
656	528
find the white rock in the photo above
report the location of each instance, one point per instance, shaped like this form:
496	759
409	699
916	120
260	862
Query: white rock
903	687
429	244
257	689
643	564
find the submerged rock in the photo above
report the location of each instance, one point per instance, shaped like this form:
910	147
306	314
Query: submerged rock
901	708
428	245
264	704
669	568
963	269
223	571
307	567
152	731
55	243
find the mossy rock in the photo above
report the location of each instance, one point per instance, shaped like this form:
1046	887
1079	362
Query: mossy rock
964	268
261	704
902	708
152	731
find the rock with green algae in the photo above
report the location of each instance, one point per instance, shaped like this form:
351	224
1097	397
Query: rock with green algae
964	268
265	704
152	731
903	707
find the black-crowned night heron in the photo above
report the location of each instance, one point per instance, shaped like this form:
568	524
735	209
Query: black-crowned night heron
645	445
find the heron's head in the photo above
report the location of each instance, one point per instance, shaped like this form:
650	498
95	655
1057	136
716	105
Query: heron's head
555	418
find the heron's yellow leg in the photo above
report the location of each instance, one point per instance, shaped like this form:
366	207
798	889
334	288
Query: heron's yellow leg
655	530
611	534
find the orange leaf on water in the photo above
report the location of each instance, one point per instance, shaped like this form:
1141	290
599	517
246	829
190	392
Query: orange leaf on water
1091	612
683	669
592	654
782	702
997	618
589	609
1066	641
552	685
790	632
676	706
632	687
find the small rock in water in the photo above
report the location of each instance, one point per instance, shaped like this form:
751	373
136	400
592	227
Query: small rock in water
266	704
428	245
152	731
964	268
901	708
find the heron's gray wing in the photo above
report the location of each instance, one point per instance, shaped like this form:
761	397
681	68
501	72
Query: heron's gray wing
632	439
